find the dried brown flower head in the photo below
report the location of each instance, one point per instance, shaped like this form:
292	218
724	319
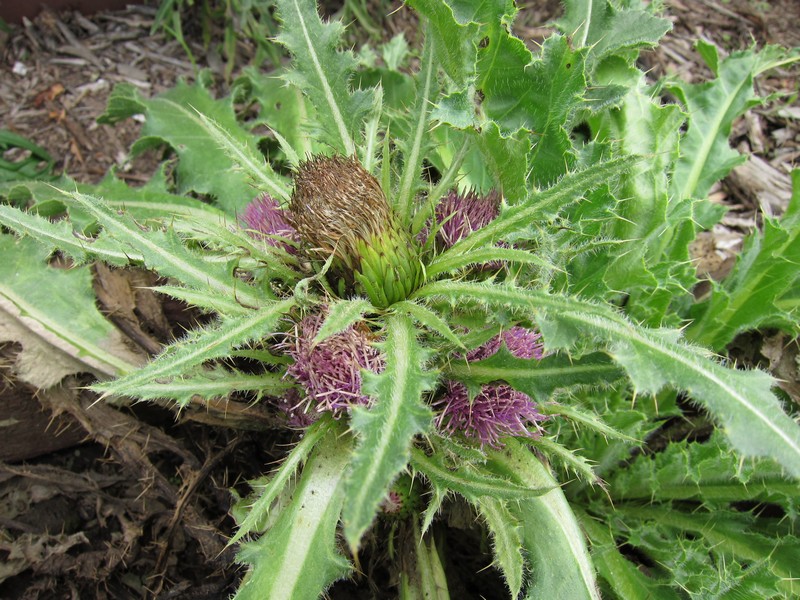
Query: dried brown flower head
339	209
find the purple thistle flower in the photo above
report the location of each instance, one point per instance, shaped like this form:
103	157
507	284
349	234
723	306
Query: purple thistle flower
330	371
265	217
521	342
498	410
459	215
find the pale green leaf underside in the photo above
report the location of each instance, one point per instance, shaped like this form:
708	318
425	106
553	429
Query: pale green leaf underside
506	540
297	559
560	566
61	315
281	478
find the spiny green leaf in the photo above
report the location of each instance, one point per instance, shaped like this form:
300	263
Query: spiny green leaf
297	559
288	467
245	158
163	251
706	155
429	319
589	419
709	471
560	566
199	346
205	300
60	235
204	167
506	540
283	109
749	297
569	460
540	205
342	314
211	384
506	157
226	243
412	148
539	95
323	73
622	575
734	534
150	201
538	378
643	126
453	42
607	29
385	432
741	401
472	483
684	558
479	256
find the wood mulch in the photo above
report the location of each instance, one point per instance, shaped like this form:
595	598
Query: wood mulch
135	504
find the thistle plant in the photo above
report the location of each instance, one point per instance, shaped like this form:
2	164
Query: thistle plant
527	392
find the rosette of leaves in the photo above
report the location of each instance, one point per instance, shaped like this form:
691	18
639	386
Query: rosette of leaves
583	244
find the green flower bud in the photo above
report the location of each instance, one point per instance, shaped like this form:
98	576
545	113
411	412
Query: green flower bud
403	499
338	208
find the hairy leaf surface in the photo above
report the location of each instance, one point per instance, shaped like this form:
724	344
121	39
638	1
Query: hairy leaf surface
323	72
553	542
199	346
538	378
385	432
607	29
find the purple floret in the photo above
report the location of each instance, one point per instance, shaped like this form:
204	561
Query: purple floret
498	410
330	371
296	409
267	220
461	214
521	342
